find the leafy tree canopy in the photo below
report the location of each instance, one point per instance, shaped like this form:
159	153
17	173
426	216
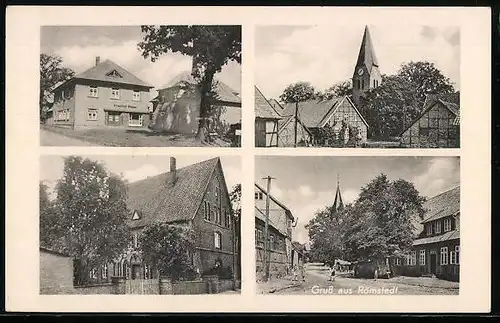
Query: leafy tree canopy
52	72
169	249
298	92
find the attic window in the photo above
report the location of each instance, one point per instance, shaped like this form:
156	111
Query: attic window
113	73
136	216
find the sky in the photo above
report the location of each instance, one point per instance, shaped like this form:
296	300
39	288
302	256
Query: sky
79	45
323	55
134	168
314	181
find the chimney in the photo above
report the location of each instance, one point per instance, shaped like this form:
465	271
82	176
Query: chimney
97	60
173	172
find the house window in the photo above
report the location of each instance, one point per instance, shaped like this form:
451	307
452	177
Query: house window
206	210
92	114
94	92
136	96
136	240
93	274
411	260
429	229
104	270
422	257
115	93
397	262
444	255
227	218
271	242
146	271
438	226
217	240
447	224
260	238
259	195
218	218
135	120
217	190
457	255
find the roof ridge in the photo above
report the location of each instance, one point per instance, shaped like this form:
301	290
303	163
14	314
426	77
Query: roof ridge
443	192
178	169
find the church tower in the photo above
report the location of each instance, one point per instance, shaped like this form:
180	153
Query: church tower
366	73
338	204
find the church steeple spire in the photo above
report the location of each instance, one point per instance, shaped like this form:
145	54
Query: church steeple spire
338	204
366	74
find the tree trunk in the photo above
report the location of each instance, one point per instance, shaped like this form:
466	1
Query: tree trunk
205	104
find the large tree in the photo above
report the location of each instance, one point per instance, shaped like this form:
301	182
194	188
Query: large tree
49	232
399	99
52	72
169	248
381	222
325	232
337	90
92	214
211	47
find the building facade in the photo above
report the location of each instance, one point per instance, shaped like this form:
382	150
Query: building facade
177	107
266	122
436	251
104	96
280	235
334	114
438	126
286	133
196	197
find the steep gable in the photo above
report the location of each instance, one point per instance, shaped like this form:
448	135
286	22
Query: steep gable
366	54
263	109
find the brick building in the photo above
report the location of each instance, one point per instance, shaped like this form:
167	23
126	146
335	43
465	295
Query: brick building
438	126
318	113
106	95
56	272
194	196
279	231
436	250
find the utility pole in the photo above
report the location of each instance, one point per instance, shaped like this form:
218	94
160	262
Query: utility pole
266	230
296	113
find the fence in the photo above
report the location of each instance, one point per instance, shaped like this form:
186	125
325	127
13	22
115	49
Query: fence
163	286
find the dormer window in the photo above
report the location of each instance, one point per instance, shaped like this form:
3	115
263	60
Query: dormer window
429	229
136	216
447	224
437	226
114	73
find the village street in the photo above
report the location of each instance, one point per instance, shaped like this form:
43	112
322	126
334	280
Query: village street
317	283
48	138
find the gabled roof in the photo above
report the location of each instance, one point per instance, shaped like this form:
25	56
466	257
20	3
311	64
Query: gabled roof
259	214
366	54
104	71
287	210
224	92
315	113
442	205
284	121
449	100
264	109
276	105
157	201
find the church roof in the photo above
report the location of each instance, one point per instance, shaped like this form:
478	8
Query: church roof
366	54
156	201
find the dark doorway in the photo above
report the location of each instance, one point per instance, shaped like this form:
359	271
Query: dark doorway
136	271
433	263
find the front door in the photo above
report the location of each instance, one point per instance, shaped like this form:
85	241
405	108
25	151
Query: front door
433	263
136	272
